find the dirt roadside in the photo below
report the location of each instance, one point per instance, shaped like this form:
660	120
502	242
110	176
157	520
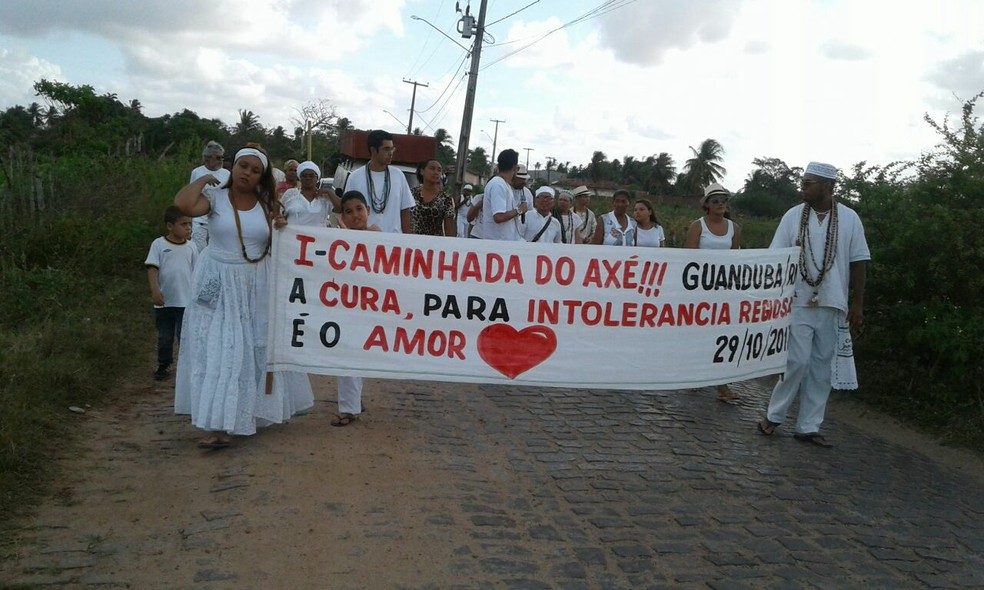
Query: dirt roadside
138	506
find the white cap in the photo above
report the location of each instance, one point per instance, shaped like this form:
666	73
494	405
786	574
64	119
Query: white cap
822	170
468	187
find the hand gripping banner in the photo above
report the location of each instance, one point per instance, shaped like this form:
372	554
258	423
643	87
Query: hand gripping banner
365	303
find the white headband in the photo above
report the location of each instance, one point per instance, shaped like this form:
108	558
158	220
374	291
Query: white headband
253	152
308	165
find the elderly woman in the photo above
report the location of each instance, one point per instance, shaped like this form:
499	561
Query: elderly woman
616	228
308	204
222	380
582	196
569	220
434	214
290	177
715	231
648	230
212	158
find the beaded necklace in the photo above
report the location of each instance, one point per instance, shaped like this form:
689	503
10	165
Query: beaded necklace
378	205
564	230
829	251
239	232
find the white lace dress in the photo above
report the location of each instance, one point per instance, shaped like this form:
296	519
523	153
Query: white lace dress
222	379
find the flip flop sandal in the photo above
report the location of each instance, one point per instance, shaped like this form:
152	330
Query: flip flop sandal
766	427
344	419
213	443
814	438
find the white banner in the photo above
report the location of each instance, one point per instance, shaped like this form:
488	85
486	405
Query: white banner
364	303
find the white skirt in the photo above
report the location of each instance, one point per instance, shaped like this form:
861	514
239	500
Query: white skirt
221	379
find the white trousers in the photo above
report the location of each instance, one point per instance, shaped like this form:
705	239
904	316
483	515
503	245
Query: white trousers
812	341
350	395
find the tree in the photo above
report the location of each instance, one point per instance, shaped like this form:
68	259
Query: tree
598	166
248	121
662	172
478	161
705	167
445	149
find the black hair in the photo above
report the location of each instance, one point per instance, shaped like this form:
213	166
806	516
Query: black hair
350	195
507	160
652	210
377	137
622	191
423	164
172	214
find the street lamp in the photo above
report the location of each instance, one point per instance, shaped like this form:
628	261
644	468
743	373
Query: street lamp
395	118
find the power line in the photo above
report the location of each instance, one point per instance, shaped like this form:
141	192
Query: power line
601	9
513	13
461	65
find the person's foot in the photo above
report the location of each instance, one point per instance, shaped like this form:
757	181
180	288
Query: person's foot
725	394
161	373
344	419
214	442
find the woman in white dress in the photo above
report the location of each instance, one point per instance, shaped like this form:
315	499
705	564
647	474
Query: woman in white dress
715	231
222	380
308	205
616	228
648	231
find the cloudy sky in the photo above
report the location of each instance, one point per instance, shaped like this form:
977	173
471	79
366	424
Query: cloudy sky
834	80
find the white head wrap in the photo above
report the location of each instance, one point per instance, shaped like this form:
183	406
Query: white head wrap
822	170
545	190
565	194
253	152
308	165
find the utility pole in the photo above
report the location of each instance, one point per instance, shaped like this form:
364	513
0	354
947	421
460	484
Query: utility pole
528	150
495	140
413	102
466	118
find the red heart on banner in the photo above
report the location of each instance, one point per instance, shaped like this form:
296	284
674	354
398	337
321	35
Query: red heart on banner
513	352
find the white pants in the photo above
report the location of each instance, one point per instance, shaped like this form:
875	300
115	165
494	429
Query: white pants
812	340
350	395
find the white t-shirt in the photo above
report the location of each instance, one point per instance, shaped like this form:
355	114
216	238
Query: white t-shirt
851	247
500	198
651	238
175	264
222	175
569	224
535	222
400	198
300	211
462	219
222	232
477	226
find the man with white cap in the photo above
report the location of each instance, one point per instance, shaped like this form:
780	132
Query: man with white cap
502	207
832	265
464	202
540	225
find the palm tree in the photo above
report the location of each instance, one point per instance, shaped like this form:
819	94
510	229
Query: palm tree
662	172
704	168
598	162
248	121
37	115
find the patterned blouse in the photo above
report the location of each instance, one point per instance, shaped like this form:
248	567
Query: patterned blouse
428	218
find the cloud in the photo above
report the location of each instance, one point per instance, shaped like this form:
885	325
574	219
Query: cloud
641	33
18	72
962	76
843	50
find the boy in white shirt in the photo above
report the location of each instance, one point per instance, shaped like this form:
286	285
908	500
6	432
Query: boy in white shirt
170	263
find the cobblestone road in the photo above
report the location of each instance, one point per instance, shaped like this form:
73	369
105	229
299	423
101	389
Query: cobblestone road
539	488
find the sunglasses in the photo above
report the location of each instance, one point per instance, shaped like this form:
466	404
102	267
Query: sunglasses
717	201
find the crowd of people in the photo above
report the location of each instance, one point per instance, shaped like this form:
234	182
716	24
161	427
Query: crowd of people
209	274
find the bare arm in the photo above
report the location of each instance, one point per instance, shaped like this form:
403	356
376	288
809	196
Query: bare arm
599	234
736	237
406	223
155	290
693	236
474	210
855	313
190	199
450	227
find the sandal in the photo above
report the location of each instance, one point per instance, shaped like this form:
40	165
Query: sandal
726	395
344	419
767	427
213	442
815	438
